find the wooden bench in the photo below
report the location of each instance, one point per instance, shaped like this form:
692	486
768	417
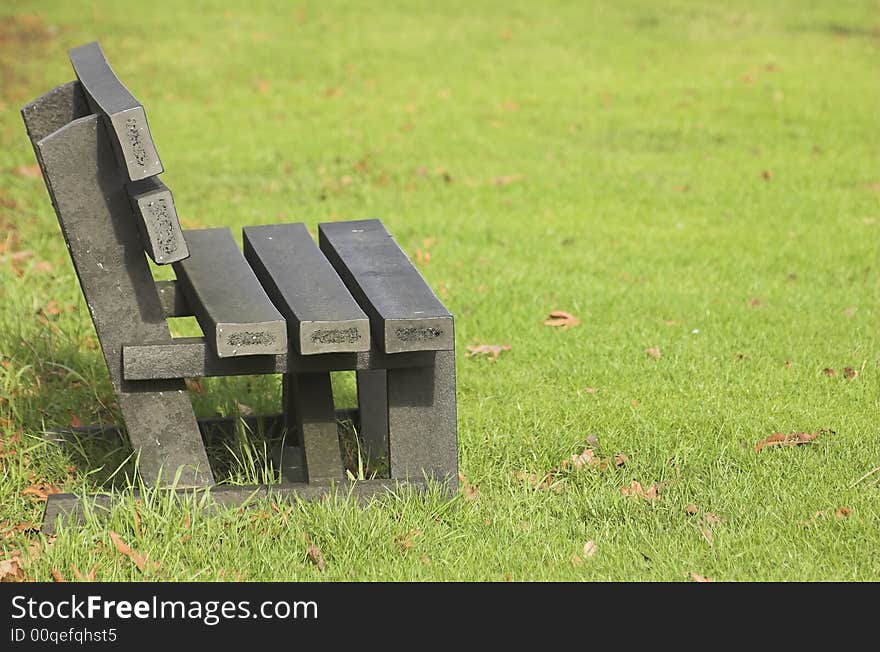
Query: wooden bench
284	305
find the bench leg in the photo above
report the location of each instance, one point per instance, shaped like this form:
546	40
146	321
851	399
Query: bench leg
308	408
422	428
372	395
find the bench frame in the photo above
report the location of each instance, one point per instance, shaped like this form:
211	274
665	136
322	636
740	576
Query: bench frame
407	406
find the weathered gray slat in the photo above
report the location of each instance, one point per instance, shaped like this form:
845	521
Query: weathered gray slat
322	316
88	193
157	221
192	357
231	306
173	301
422	427
125	116
405	315
307	401
70	506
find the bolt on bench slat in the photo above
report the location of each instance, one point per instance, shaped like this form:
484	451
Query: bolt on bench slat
236	316
157	221
126	117
321	314
405	314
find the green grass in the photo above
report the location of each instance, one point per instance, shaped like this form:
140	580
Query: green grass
701	177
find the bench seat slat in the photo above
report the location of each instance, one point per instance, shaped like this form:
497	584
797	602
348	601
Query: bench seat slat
109	97
321	314
405	314
231	306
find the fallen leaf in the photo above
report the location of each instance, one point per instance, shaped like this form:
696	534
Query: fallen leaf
56	575
29	171
791	439
561	318
849	373
653	352
842	512
576	560
195	385
471	491
491	350
405	541
422	257
590	548
587	457
315	555
75	421
696	577
711	518
620	459
636	490
141	561
590	390
767	175
243	409
691	509
41	491
828	371
11	571
754	302
593	440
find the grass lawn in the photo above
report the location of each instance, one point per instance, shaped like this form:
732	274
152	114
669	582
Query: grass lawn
699	184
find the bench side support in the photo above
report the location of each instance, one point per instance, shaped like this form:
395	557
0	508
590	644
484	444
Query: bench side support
91	203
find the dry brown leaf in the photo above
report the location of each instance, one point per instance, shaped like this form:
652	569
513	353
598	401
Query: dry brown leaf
243	409
423	257
490	350
471	491
653	352
767	175
56	575
590	548
29	171
842	512
636	490
755	302
141	561
561	318
620	459
828	371
791	439
691	509
590	390
849	373
406	541
711	518
316	556
11	571
41	491
195	385
696	577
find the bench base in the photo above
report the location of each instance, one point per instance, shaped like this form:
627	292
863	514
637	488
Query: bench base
288	459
